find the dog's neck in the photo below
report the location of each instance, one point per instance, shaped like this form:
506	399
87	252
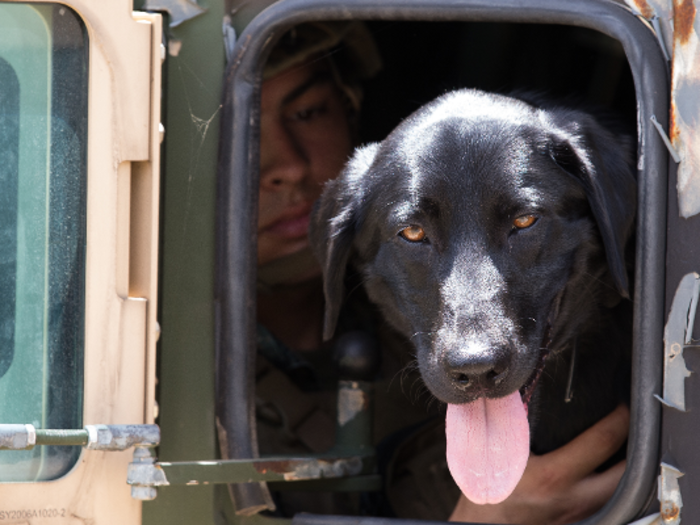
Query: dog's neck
599	382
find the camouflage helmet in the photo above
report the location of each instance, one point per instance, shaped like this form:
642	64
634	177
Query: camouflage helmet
347	45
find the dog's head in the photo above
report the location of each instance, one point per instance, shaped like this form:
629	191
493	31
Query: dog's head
480	225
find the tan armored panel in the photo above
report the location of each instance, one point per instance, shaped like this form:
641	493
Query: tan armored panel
122	152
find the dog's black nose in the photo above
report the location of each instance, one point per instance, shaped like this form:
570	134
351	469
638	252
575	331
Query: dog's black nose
472	370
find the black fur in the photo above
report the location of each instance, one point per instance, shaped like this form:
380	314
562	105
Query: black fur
478	297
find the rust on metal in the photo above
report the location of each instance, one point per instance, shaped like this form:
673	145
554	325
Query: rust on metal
684	124
328	468
670	494
278	467
673	131
670	512
644	8
683	20
310	468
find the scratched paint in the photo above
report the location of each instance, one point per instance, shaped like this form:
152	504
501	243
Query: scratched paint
685	104
663	9
680	28
276	466
670	512
316	469
644	8
351	401
683	19
670	494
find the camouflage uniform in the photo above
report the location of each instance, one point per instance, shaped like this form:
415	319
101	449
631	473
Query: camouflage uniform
296	413
296	391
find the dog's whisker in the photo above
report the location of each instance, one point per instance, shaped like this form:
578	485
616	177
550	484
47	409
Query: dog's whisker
405	372
599	281
417	334
358	286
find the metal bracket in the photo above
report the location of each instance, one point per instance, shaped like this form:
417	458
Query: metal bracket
145	473
652	519
246	470
678	335
121	437
229	37
92	437
17	437
95	437
656	26
664	136
670	494
180	10
659	36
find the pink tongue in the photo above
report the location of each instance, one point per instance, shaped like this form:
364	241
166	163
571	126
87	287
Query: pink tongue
488	443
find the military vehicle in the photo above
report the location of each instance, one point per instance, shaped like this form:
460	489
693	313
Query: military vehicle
128	139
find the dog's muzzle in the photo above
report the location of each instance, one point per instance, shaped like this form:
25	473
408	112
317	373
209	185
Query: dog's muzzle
480	367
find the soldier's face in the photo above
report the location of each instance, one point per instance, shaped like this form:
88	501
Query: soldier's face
305	140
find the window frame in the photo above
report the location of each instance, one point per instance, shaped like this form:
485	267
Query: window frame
57	404
237	201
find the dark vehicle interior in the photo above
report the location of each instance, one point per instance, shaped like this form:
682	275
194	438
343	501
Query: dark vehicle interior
576	65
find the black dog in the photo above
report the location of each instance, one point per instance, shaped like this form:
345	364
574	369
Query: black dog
492	232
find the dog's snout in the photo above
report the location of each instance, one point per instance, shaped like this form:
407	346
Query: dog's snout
477	370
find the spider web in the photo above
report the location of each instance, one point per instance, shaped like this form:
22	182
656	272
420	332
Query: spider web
201	130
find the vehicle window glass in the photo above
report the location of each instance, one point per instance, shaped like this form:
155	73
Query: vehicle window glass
43	130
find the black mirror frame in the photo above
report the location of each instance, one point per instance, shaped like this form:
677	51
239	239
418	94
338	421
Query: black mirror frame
237	202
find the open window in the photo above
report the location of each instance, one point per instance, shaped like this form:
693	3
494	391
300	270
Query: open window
600	51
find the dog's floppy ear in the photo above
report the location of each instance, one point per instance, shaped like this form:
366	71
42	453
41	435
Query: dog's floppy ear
334	222
604	164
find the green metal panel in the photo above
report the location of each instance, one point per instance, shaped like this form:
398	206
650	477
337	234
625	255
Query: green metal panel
192	91
244	11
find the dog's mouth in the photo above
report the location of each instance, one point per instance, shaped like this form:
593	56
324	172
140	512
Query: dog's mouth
528	388
488	440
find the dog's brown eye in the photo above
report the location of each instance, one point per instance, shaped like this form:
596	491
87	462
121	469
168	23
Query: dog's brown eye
413	234
525	221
